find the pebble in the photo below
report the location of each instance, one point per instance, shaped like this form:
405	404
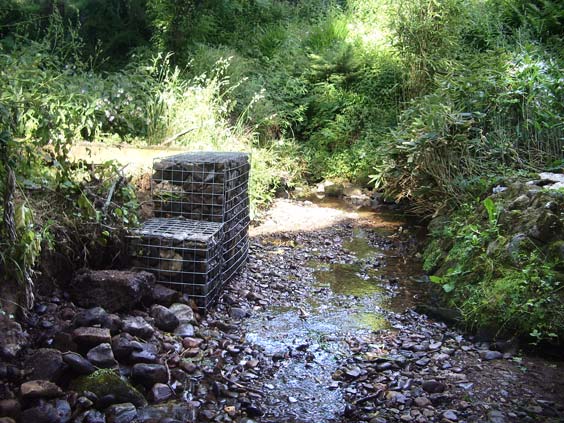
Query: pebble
450	415
491	355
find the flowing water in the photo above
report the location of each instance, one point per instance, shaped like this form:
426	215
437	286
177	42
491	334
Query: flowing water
347	299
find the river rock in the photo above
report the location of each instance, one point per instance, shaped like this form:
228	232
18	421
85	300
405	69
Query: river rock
144	353
237	313
149	374
90	317
160	393
102	356
422	401
46	364
40	389
491	355
78	363
10	408
137	326
433	387
164	296
121	413
111	289
184	330
94	416
450	415
104	383
164	318
64	411
44	413
177	411
90	336
183	313
12	337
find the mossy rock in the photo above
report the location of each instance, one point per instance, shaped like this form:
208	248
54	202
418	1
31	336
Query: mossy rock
104	382
556	253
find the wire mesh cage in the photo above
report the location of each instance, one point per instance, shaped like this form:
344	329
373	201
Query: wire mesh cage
184	254
210	186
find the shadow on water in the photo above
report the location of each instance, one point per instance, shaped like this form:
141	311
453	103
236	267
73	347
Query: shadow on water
354	298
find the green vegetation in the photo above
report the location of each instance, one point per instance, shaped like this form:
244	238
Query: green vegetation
434	101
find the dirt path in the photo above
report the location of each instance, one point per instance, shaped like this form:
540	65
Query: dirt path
327	303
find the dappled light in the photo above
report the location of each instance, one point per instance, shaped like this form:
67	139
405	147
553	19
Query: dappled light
363	221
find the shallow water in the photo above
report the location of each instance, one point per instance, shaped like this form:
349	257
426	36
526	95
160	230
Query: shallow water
312	336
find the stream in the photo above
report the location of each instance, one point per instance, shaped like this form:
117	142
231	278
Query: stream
348	295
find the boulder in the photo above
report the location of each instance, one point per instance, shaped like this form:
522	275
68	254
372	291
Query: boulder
46	364
106	382
111	289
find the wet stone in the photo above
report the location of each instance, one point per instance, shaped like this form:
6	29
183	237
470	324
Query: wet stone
160	393
91	336
237	313
164	296
149	374
121	413
94	416
64	411
78	363
432	386
102	356
46	364
184	330
164	318
44	413
137	326
40	389
422	402
491	355
91	317
450	415
10	408
183	313
144	353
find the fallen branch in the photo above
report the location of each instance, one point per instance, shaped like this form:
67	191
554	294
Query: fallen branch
240	385
170	140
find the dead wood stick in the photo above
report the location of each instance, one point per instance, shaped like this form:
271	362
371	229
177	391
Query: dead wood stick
173	138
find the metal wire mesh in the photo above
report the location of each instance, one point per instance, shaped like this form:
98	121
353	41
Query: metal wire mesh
185	254
208	186
199	237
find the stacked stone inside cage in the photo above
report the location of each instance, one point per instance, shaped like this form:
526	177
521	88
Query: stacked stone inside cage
193	189
184	254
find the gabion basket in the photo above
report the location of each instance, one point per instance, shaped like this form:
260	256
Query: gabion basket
184	254
208	186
